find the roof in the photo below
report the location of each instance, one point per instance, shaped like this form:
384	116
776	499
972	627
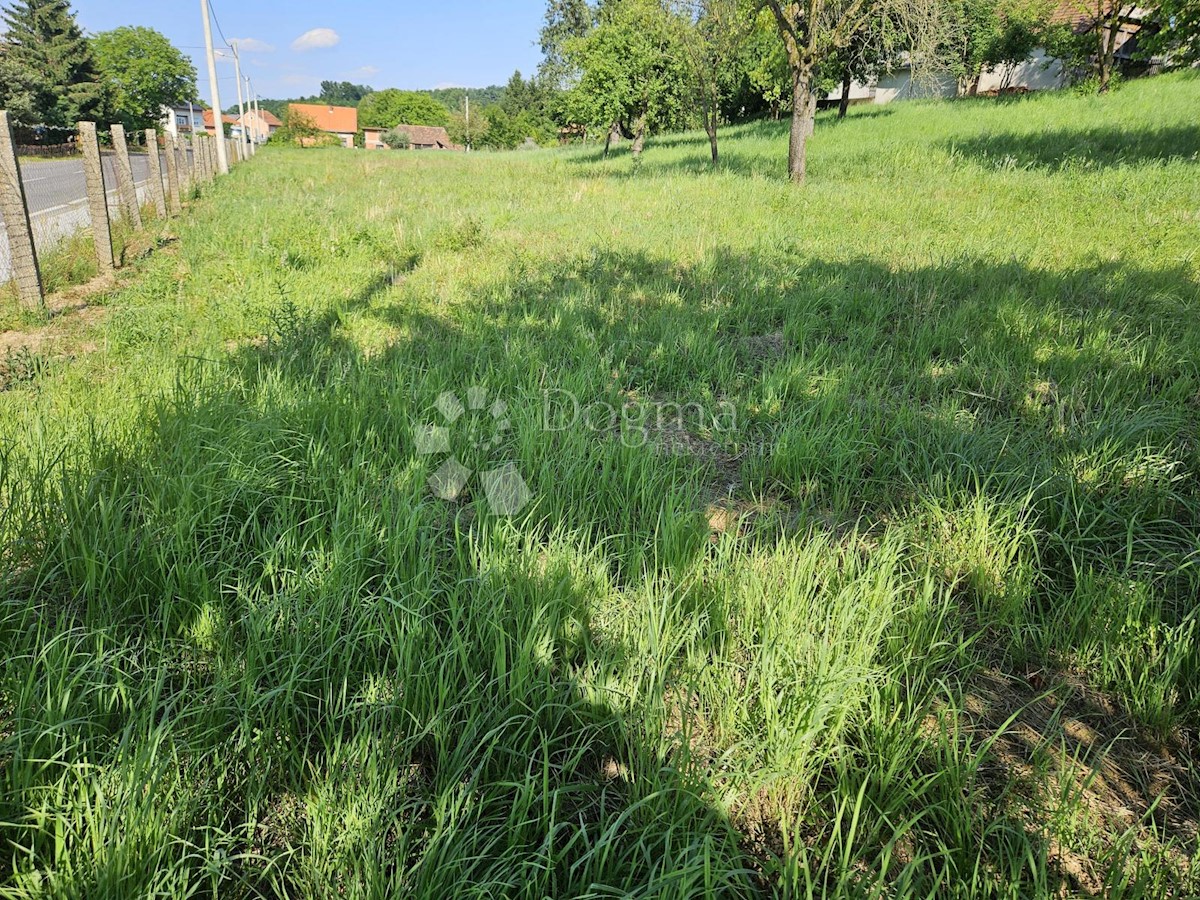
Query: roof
268	117
1082	16
208	119
428	135
335	119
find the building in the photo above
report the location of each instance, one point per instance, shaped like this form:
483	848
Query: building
337	120
420	137
1039	72
225	120
261	125
182	120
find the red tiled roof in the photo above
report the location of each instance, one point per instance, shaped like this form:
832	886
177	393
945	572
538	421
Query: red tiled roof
334	119
208	119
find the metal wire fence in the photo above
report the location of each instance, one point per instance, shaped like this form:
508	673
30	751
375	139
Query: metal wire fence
53	179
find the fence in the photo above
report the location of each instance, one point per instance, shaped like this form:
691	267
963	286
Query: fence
104	183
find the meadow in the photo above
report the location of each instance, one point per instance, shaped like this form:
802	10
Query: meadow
867	568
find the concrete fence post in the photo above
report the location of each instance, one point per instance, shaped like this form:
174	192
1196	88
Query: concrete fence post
97	201
21	250
184	165
172	153
126	191
206	157
157	193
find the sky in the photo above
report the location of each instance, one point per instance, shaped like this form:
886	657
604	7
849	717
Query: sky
288	47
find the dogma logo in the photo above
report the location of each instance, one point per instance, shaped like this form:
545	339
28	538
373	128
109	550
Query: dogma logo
476	429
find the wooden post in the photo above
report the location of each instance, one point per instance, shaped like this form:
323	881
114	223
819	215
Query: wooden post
126	190
97	202
21	251
156	174
173	195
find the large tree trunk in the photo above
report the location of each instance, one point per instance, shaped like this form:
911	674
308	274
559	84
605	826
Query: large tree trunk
804	109
639	136
845	102
1106	61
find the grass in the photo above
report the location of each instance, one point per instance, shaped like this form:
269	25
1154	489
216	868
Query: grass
867	569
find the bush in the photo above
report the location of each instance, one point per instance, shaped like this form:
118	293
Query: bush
397	139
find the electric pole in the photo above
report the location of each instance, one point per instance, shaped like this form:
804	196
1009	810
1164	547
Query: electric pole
237	73
468	96
253	115
218	121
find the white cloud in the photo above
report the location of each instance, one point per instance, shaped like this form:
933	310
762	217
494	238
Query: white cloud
363	72
253	45
316	39
442	85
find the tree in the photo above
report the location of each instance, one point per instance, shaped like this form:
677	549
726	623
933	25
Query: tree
632	71
712	35
565	21
141	72
343	92
814	32
47	73
391	107
1177	38
997	36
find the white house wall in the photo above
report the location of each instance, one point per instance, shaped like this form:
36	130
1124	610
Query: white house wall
1039	73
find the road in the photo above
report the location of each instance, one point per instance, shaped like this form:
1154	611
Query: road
56	192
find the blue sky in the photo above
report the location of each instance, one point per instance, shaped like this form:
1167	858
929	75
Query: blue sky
290	46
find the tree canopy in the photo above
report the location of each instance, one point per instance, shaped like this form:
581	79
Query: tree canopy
47	71
141	72
391	107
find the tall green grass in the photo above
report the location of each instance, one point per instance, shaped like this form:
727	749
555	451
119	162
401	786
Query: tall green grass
916	618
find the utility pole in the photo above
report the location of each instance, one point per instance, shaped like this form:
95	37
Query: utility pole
250	106
237	72
468	96
218	123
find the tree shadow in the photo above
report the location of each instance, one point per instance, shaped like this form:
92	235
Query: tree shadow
1096	147
408	692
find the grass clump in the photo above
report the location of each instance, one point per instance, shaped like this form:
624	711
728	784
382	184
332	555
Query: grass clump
857	557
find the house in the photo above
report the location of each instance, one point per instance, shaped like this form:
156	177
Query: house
182	120
420	137
225	120
1039	72
338	120
261	125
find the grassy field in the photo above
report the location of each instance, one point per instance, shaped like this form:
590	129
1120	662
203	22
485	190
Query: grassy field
826	542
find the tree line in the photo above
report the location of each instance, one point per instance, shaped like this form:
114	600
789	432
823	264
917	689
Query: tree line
52	75
635	67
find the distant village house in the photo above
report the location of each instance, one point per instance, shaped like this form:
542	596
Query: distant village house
420	137
341	121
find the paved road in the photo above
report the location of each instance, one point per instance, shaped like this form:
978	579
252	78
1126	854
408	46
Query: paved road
56	192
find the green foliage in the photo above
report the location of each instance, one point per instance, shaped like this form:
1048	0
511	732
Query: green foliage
397	139
391	107
343	93
632	67
300	131
141	72
47	71
994	35
1176	36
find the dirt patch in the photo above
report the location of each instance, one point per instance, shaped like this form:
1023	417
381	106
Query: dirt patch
760	350
1054	737
69	310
